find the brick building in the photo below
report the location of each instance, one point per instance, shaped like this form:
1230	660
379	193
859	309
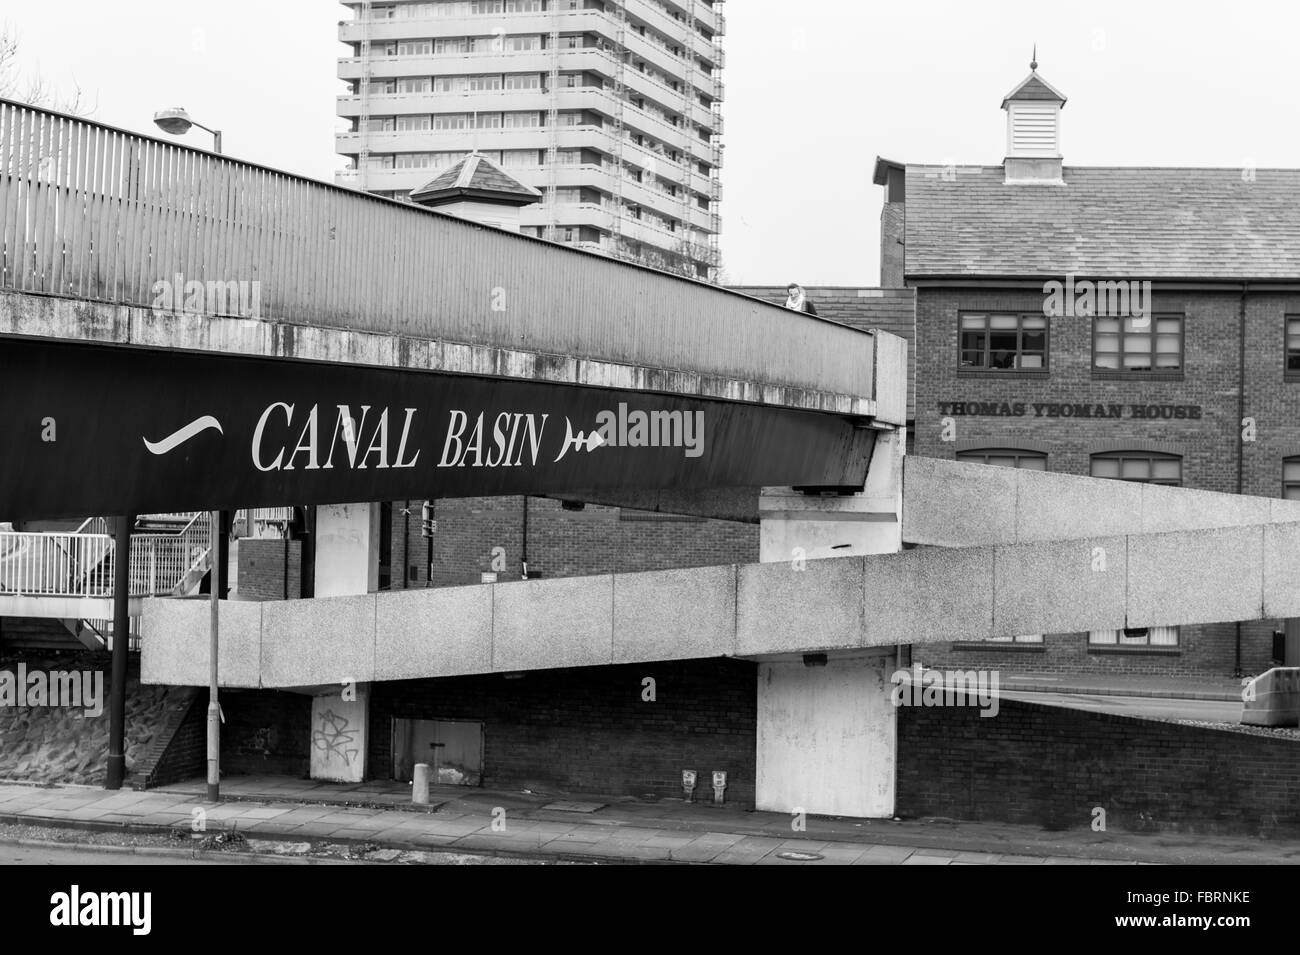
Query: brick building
1133	323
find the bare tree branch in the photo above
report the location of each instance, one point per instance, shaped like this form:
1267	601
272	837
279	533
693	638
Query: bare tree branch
34	89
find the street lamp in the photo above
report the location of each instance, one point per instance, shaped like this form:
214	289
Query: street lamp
176	121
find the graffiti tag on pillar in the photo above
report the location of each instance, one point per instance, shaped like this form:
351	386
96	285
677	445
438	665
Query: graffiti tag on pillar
334	737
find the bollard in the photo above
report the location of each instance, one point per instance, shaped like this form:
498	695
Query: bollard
420	785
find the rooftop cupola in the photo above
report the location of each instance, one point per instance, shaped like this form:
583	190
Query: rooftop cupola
1033	130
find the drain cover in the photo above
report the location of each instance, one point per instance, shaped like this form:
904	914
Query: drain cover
800	856
569	806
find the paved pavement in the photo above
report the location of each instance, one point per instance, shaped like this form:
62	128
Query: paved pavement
616	829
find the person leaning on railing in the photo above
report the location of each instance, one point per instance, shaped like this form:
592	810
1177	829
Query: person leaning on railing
798	299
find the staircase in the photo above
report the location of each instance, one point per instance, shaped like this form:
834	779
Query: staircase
67	576
42	574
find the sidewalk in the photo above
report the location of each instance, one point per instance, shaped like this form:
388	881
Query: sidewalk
1124	684
558	826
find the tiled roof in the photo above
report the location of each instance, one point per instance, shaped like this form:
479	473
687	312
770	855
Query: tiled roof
1034	86
888	309
1105	222
477	175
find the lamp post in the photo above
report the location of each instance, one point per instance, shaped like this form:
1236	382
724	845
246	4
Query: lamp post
177	121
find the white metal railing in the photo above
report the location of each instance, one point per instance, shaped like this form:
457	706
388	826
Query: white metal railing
79	564
103	629
34	564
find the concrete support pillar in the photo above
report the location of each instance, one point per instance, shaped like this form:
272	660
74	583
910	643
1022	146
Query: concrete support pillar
346	564
347	550
796	525
827	736
340	733
826	722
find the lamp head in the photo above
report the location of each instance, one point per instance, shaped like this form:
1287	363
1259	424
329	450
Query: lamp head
173	120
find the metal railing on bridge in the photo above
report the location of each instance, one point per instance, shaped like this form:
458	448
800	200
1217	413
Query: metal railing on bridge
81	563
92	212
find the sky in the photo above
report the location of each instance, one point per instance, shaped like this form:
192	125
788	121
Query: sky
814	93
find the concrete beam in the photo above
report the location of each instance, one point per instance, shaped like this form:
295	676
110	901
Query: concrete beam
68	319
63	608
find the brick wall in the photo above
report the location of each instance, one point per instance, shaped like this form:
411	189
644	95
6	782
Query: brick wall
1204	651
269	569
265	731
1049	766
561	543
178	750
1209	445
588	729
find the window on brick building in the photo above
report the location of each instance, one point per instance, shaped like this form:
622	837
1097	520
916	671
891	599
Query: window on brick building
1005	458
1153	344
1003	342
1291	479
1027	638
1135	637
1293	346
1145	467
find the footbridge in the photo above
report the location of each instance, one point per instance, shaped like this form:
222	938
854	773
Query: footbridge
211	333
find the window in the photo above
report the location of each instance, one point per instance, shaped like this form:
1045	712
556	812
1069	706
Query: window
1135	637
450	121
521	43
515	158
489	120
524	81
522	120
477	83
1005	458
1291	479
1027	638
1004	342
412	124
413	161
1142	466
414	84
414	47
1137	344
1293	346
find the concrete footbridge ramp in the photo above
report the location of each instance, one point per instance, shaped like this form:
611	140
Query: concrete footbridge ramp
1002	552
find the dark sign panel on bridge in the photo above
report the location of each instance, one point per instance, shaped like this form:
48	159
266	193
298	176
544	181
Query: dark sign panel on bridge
103	430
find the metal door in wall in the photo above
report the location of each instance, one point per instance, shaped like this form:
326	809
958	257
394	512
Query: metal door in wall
452	748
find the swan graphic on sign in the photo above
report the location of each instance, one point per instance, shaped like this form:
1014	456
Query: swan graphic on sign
580	441
177	438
